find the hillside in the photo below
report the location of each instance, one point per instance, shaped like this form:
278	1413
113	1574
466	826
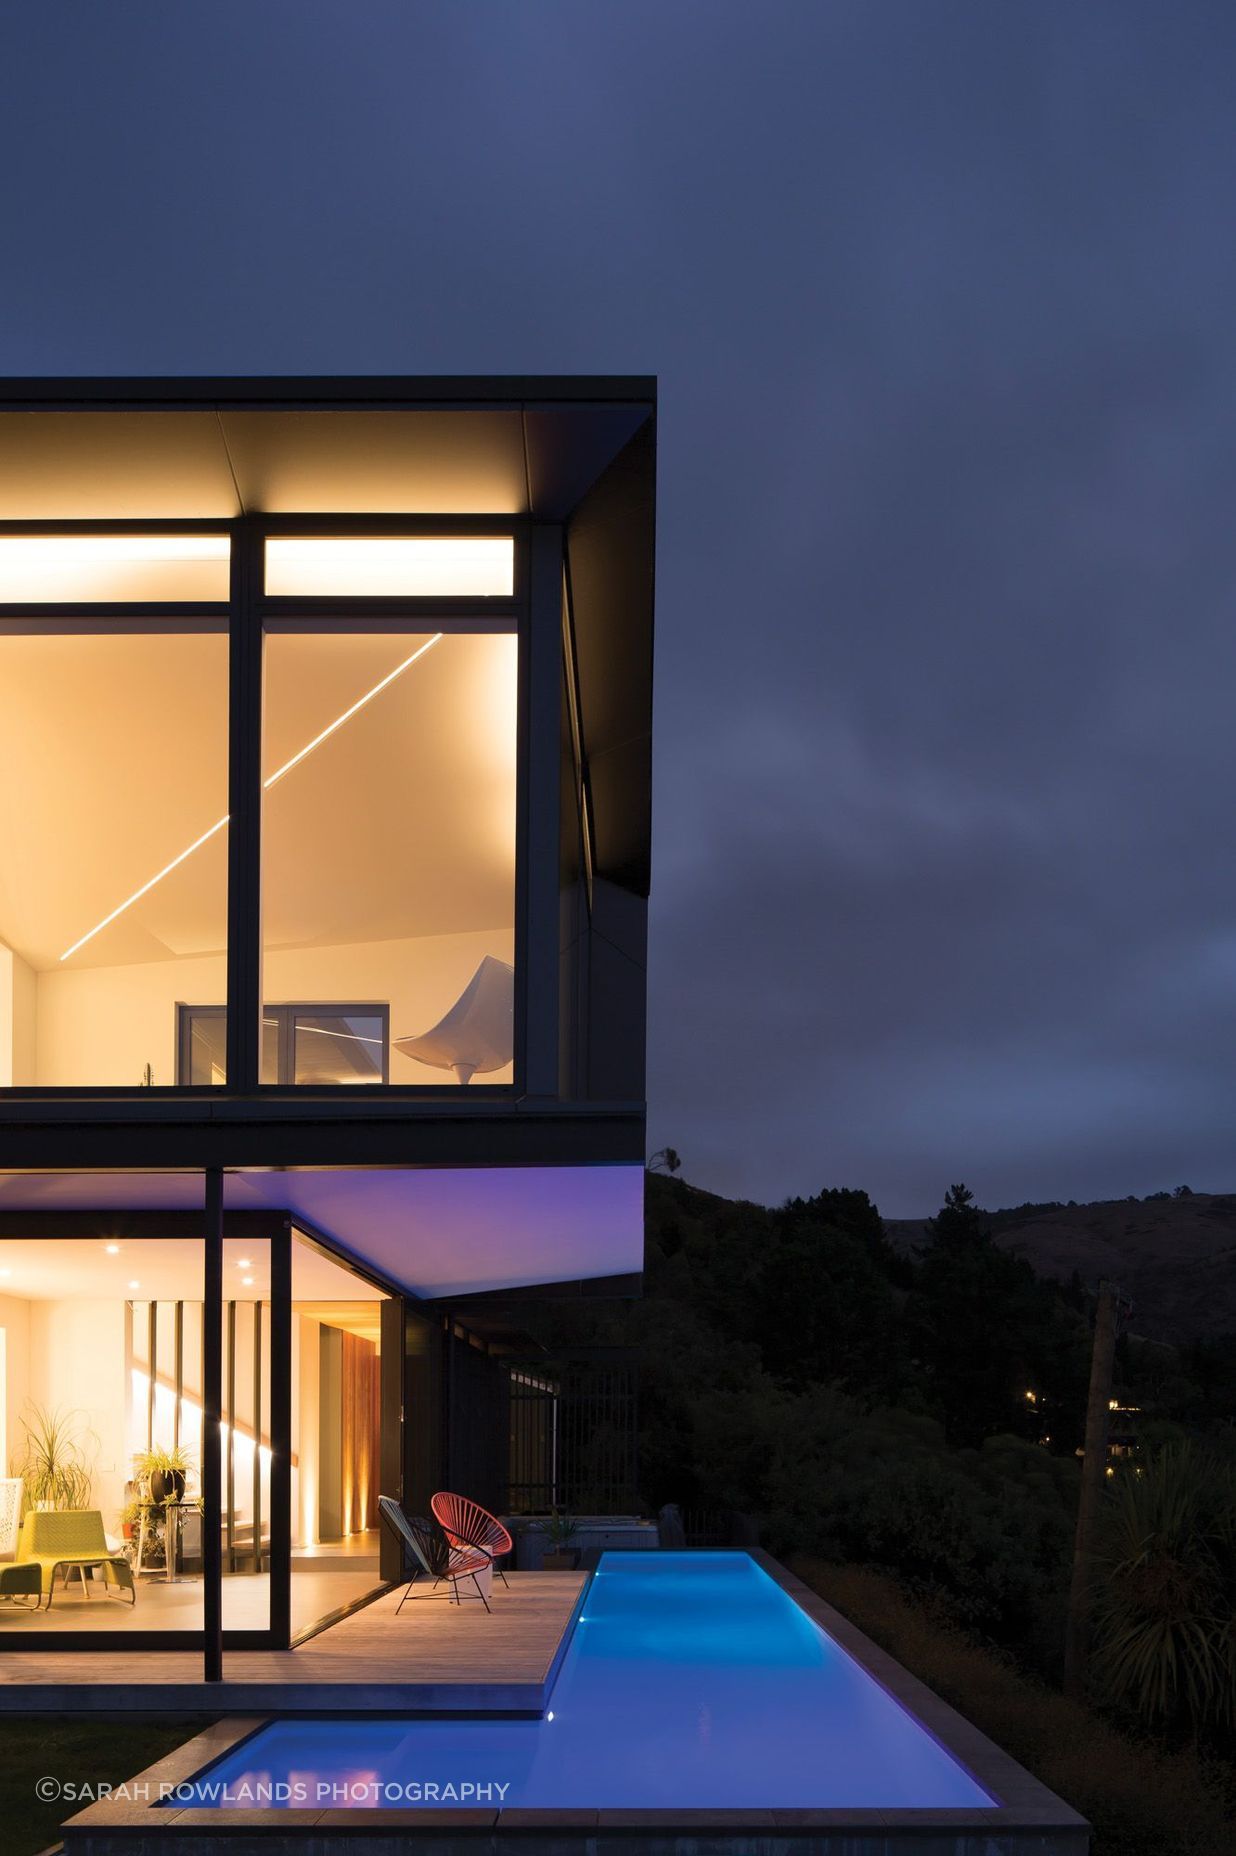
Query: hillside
1176	1258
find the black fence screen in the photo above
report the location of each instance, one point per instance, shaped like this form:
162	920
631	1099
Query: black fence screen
573	1438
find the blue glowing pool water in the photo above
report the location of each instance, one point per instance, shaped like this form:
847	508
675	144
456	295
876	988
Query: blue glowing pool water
691	1680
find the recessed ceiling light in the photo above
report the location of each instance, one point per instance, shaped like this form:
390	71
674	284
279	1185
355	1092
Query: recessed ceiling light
113	1250
135	1284
245	1263
247	1281
6	1272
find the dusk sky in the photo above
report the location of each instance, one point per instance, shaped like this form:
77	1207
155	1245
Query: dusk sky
941	295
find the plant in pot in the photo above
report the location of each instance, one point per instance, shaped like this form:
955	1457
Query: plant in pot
55	1464
165	1472
130	1518
561	1555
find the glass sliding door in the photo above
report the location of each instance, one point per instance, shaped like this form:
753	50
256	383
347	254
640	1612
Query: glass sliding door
247	1441
337	1423
101	1432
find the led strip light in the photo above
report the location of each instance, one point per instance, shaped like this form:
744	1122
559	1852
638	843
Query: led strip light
274	778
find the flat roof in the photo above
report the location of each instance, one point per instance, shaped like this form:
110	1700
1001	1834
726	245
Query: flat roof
152	391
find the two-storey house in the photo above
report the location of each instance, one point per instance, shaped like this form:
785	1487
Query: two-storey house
324	845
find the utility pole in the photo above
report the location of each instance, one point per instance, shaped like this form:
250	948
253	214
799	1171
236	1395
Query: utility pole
1094	1467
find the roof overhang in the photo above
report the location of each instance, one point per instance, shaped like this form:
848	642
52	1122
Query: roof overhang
181	449
434	1231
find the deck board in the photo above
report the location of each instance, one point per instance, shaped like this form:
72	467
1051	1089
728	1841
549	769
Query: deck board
434	1657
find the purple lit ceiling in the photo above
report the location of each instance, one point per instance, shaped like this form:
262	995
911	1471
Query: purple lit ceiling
434	1230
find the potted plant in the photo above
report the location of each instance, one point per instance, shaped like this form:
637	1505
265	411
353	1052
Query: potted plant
560	1531
55	1464
165	1472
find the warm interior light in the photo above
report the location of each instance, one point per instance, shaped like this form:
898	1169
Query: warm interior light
6	1272
277	775
247	1282
347	715
146	887
376	566
113	1250
245	1263
134	1283
36	569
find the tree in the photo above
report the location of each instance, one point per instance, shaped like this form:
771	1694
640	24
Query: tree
665	1160
980	1324
959	1222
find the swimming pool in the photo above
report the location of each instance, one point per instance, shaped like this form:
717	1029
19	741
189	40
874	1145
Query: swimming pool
692	1680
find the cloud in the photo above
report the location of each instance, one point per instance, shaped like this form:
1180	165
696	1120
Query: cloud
941	302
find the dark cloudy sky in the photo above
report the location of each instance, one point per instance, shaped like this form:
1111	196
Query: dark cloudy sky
942	299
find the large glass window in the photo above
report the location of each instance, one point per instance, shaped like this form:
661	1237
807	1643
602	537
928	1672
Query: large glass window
388	859
336	1434
113	844
247	1443
101	1401
72	568
101	1430
300	1043
391	566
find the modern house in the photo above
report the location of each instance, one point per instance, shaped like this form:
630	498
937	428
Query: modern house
324	852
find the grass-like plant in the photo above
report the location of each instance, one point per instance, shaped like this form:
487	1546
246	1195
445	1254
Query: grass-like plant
1165	1601
56	1463
560	1531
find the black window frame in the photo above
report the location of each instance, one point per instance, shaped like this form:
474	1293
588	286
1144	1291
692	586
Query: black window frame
285	1014
246	616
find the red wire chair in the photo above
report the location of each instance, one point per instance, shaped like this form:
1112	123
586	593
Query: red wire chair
467	1524
431	1554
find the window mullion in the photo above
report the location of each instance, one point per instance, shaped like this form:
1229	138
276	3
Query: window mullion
244	963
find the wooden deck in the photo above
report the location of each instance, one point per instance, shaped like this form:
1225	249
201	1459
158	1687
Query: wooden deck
435	1657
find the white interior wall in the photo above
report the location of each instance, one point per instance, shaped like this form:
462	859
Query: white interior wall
103	1025
77	1364
15	1320
17	1019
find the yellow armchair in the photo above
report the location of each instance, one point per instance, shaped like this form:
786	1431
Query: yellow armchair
68	1537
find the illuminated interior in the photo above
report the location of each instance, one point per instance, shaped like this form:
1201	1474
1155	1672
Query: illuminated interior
388	869
399	566
388	864
115	762
105	1336
336	1431
41	569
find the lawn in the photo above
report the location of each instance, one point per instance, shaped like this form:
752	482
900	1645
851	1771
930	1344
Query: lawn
1140	1799
76	1752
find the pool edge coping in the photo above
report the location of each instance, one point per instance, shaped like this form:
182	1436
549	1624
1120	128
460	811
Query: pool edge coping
1027	1810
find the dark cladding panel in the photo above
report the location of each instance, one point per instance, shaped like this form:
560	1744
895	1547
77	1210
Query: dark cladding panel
390	1466
423	1427
610	557
617	987
568	450
479	1424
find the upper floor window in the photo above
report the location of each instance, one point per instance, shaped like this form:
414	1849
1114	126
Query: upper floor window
113	844
388	837
387	757
391	566
72	568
